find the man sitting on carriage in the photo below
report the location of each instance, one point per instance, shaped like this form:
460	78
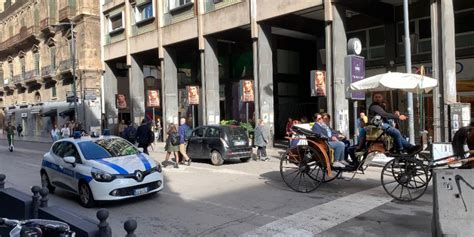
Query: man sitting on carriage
321	128
379	117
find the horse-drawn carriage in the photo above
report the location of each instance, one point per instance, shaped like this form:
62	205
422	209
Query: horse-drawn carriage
405	177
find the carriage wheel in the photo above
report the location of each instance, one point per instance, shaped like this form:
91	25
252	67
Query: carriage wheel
404	178
425	158
300	171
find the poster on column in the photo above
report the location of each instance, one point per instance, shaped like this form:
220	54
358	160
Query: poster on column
153	98
247	90
120	101
193	95
318	83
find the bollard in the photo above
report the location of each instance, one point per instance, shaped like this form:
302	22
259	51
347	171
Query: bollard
35	200
44	197
2	181
104	228
130	226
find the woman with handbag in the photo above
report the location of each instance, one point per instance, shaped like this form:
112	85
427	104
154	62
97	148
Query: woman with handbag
172	146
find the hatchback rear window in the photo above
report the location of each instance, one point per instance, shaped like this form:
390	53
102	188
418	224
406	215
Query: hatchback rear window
235	131
106	148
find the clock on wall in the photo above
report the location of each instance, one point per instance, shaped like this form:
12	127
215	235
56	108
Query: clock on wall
354	46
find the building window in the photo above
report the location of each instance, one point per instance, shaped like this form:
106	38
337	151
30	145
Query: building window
37	63
10	66
373	42
23	67
464	32
52	51
53	91
178	3
116	23
144	11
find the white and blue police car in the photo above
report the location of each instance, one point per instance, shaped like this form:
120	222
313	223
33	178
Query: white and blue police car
100	169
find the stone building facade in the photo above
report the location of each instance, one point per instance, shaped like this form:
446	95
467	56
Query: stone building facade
36	66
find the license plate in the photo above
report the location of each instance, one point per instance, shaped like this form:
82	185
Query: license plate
140	191
239	143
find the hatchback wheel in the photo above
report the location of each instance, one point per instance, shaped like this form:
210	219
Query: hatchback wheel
45	183
85	195
216	158
245	159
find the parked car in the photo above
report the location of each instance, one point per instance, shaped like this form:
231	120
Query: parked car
103	168
219	143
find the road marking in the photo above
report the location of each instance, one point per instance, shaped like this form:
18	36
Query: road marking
219	205
320	218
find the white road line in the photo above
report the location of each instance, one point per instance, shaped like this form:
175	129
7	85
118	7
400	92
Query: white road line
318	219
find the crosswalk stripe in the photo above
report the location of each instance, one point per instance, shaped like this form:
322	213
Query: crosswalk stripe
320	218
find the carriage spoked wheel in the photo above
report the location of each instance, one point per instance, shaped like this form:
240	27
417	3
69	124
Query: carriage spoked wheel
404	178
300	171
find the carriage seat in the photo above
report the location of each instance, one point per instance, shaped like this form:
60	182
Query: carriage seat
373	132
308	133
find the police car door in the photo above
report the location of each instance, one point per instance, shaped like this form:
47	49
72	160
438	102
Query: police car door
68	170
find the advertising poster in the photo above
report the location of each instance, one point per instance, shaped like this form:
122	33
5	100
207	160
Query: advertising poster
318	83
247	90
193	95
153	98
120	101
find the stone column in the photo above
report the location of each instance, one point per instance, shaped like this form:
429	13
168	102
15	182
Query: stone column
340	115
137	91
264	84
438	113
211	71
170	89
111	112
449	51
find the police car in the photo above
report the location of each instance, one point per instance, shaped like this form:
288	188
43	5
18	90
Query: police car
100	169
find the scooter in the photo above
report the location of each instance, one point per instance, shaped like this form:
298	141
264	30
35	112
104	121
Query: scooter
37	228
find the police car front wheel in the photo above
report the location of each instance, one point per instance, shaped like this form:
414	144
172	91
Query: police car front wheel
85	195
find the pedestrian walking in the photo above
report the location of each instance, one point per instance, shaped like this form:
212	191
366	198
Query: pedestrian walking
10	135
65	132
158	129
172	146
19	129
130	133
288	131
184	133
144	136
72	125
261	140
55	133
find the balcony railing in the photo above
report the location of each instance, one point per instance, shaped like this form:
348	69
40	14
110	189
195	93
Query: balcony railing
46	22
24	34
46	72
67	13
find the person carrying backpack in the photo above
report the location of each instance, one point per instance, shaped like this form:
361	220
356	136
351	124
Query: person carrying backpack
172	146
130	133
143	136
183	131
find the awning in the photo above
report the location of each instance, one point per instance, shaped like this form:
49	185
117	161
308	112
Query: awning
68	112
50	113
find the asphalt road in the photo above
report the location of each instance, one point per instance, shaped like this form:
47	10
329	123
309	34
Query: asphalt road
240	199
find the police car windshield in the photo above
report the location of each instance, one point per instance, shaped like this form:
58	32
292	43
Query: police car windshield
106	148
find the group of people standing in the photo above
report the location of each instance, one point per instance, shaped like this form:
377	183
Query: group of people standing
67	130
175	144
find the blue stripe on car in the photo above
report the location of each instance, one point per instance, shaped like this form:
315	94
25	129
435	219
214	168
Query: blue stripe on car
67	172
145	161
117	168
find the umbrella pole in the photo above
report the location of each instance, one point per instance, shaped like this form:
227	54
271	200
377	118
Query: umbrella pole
411	125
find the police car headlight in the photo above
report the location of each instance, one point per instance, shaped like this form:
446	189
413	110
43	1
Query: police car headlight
157	168
102	176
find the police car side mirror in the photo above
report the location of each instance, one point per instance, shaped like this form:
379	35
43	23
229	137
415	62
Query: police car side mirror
70	160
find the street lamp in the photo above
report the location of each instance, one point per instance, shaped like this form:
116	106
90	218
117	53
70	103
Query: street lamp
73	59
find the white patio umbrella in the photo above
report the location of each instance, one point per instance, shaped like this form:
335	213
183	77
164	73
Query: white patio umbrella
395	80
